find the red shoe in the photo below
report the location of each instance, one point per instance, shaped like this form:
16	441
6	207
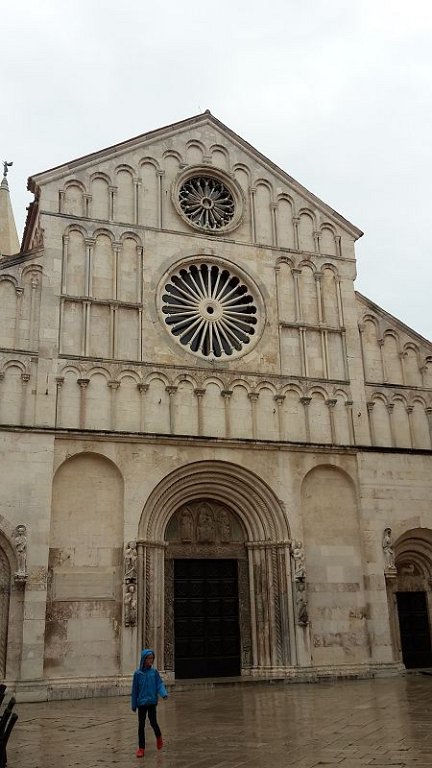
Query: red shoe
140	752
159	742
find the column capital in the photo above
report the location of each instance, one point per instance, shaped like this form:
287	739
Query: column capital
171	389
199	392
142	387
83	383
279	399
305	400
226	393
253	396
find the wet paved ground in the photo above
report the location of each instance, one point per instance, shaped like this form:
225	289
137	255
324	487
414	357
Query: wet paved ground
344	724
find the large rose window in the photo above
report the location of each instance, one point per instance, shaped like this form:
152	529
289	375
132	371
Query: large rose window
210	310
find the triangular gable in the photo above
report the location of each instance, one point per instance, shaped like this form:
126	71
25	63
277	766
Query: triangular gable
375	309
206	118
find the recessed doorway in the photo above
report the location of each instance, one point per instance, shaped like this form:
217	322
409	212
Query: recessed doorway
206	618
414	629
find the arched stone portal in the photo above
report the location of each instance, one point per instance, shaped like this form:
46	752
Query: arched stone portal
5	587
411	593
211	510
11	604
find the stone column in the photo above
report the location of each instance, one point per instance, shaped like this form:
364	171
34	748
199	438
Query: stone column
171	392
137	184
117	247
226	394
153	596
429	417
296	222
303	352
160	175
83	383
390	409
142	389
316	237
331	406
113	385
19	294
61	200
409	410
25	378
350	419
252	192
370	407
279	400
199	394
112	195
253	397
306	401
317	278
58	406
298	310
273	208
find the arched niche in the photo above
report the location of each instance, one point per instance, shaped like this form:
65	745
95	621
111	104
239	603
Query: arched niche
236	500
84	601
334	567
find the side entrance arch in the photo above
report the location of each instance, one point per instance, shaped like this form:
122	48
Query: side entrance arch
214	574
412	597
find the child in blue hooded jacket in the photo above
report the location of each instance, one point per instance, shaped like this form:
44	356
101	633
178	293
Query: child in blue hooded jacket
147	686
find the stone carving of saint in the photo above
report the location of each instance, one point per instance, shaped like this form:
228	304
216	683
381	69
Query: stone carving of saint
387	545
20	542
224	526
186	526
299	561
130	561
206	530
130	613
301	604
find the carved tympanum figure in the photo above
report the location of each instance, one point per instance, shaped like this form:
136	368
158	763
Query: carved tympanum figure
186	526
224	526
206	528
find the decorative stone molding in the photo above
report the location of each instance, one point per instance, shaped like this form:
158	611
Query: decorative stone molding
130	584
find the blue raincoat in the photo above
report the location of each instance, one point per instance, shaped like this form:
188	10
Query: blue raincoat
147	684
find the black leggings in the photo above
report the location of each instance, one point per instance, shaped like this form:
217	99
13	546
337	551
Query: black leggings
142	714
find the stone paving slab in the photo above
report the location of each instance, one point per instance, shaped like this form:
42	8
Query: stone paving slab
346	724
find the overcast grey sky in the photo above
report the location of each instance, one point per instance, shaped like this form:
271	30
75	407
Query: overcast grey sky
337	93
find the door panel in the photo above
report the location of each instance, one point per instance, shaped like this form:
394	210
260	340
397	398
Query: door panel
206	618
414	629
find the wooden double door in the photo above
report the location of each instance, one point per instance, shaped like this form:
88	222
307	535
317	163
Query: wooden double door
414	629
206	618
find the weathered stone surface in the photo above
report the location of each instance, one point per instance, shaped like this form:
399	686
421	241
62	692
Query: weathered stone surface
305	415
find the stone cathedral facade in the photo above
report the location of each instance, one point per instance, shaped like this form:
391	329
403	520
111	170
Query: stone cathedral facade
210	443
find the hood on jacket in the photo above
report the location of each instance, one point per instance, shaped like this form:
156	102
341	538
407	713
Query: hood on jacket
144	653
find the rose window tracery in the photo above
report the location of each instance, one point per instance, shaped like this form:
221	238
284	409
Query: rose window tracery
207	202
209	310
